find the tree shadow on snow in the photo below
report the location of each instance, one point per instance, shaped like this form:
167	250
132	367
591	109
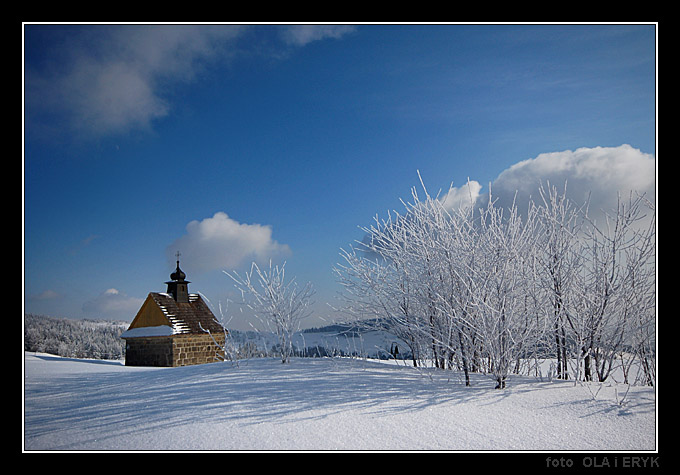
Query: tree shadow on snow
250	392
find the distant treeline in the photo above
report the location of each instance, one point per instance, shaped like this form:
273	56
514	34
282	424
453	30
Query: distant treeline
350	329
97	339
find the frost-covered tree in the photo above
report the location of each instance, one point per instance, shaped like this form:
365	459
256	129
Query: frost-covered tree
489	289
559	253
401	275
379	296
98	339
504	276
279	304
454	280
617	286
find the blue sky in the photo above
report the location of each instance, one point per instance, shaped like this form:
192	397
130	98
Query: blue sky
234	143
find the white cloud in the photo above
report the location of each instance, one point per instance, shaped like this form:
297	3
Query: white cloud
222	243
112	304
108	79
462	196
600	172
113	97
300	35
46	295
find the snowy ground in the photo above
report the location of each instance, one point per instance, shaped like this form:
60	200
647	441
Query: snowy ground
319	404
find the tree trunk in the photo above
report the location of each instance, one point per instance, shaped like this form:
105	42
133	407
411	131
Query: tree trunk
586	366
565	368
558	349
463	353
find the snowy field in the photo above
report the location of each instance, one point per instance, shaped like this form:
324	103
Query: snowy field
320	404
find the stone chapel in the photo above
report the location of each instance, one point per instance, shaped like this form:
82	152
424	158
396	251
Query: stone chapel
174	328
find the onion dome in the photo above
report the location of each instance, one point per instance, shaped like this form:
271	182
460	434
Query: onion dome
178	274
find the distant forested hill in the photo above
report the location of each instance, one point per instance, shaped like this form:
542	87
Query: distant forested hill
97	339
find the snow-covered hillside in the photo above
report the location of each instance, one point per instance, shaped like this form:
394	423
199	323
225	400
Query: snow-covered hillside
319	404
340	341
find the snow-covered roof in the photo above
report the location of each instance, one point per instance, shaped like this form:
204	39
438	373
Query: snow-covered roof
161	330
193	317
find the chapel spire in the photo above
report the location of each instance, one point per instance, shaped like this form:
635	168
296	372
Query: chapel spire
178	287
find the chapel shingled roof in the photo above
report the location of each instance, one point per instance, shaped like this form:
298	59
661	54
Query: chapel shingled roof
187	318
